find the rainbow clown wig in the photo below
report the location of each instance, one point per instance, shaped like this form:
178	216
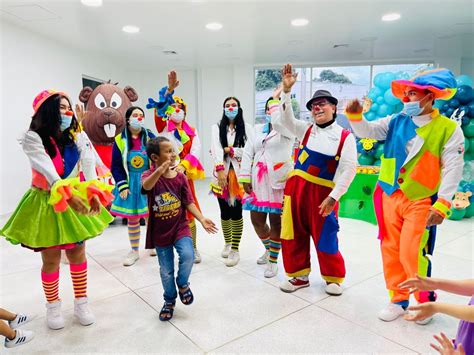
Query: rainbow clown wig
441	82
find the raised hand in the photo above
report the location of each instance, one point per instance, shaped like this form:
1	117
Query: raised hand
80	112
276	94
423	311
447	346
163	168
354	106
288	77
173	81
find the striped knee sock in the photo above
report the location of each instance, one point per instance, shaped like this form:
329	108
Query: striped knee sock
192	226
134	233
227	230
274	250
237	229
79	279
50	285
266	243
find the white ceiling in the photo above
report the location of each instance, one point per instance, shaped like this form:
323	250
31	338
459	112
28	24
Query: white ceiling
254	32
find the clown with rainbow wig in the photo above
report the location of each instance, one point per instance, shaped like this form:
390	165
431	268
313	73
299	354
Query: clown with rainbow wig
421	168
170	121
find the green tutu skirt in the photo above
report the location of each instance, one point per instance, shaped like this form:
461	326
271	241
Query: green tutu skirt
35	224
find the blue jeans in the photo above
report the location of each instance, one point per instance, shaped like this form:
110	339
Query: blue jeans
185	249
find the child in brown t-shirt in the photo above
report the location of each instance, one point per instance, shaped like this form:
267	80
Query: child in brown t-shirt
169	196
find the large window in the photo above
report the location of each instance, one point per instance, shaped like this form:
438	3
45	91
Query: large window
345	83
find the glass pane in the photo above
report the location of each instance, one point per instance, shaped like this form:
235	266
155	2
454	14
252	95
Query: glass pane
266	80
409	70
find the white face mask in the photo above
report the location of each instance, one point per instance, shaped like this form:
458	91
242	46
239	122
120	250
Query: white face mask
177	117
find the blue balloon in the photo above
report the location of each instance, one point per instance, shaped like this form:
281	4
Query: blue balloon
374	107
387	79
438	104
454	103
449	112
445	106
465	121
398	108
374	93
379	100
378	79
370	116
464	80
464	108
464	94
384	110
389	98
471	108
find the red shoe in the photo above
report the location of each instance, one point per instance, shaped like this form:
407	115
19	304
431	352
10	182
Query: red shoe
293	284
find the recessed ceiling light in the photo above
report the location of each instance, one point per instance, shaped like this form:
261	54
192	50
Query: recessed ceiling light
298	22
224	45
214	26
391	17
341	45
422	50
94	3
168	52
130	29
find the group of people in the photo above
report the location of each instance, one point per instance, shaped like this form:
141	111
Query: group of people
255	169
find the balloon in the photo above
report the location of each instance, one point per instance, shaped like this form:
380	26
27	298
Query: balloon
387	79
464	80
464	108
464	94
384	110
389	98
471	108
469	155
445	106
379	151
438	104
374	93
467	171
454	103
467	145
469	129
457	215
465	120
449	112
379	100
370	116
374	107
377	162
398	108
365	160
471	144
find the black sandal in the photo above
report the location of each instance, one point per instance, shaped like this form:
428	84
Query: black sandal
186	297
166	312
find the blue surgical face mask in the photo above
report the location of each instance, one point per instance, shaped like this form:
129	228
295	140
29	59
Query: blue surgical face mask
231	114
65	122
413	108
137	123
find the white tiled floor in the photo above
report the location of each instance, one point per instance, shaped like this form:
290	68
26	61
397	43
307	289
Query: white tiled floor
236	310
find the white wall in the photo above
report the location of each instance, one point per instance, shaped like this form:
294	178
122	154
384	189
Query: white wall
30	64
467	67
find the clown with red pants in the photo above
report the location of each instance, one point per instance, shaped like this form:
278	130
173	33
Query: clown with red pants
325	166
420	170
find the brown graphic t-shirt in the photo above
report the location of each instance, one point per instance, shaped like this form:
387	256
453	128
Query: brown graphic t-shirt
167	202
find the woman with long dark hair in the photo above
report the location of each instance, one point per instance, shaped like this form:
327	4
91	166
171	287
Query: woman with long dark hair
228	140
129	161
59	212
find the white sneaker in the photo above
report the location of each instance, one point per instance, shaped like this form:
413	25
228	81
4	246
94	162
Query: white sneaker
197	257
233	258
54	318
293	284
263	259
271	270
20	320
226	251
333	289
131	258
391	312
153	252
21	337
82	311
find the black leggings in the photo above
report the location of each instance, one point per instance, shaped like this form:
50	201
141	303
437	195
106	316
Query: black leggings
230	212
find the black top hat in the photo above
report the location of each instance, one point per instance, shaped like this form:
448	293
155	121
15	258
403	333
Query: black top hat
321	94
